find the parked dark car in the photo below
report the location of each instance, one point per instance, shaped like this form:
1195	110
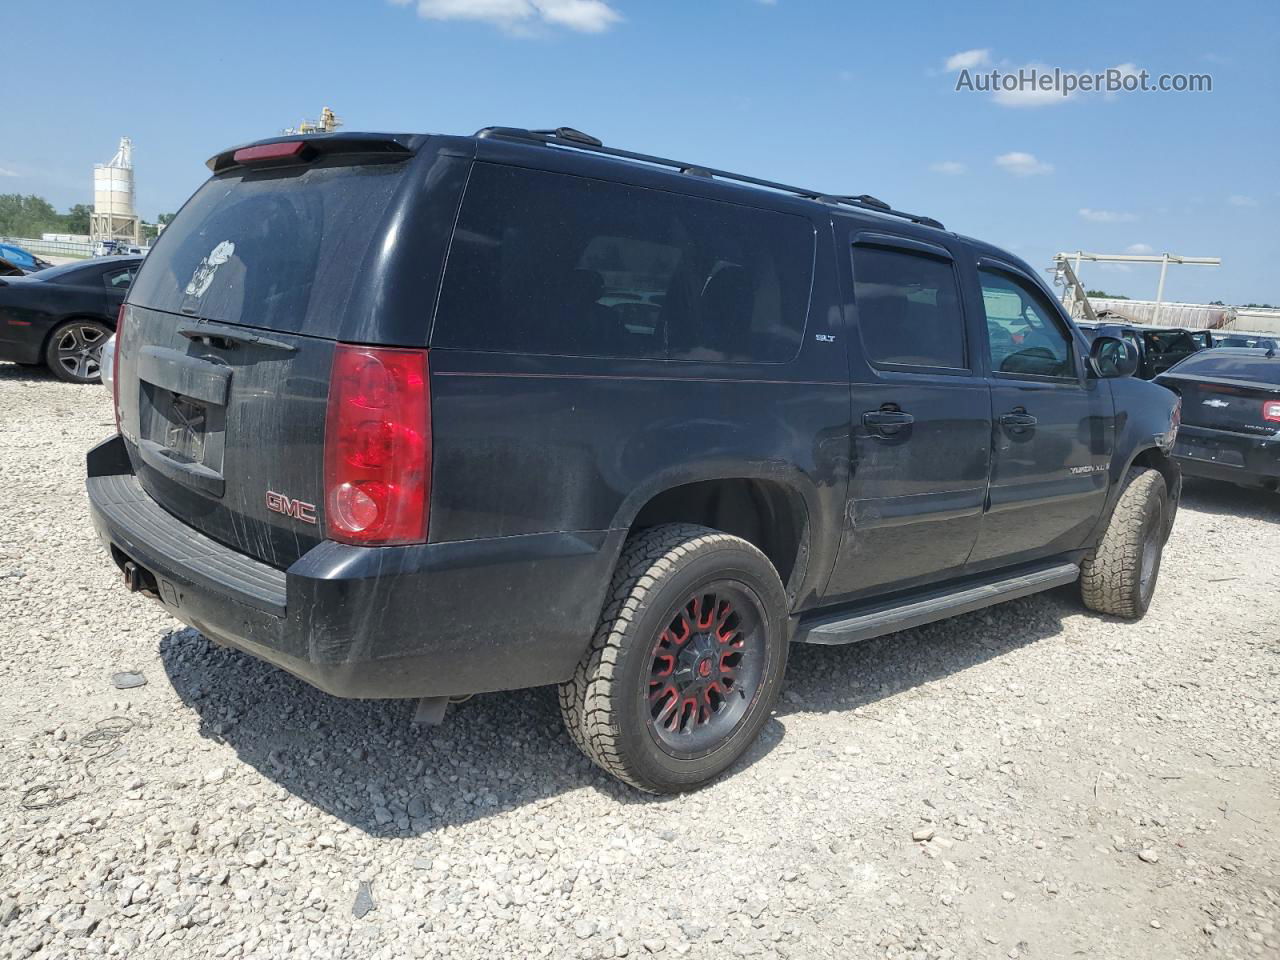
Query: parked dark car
425	416
1230	415
60	317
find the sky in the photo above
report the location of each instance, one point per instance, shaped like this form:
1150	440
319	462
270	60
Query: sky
844	96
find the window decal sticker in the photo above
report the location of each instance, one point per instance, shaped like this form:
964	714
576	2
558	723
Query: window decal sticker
204	272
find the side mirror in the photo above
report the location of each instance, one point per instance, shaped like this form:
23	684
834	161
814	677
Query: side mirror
1113	357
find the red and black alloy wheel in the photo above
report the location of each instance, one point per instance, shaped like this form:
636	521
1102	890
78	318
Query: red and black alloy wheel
707	665
686	663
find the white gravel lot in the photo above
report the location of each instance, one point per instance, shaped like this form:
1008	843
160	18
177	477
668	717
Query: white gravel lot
1030	781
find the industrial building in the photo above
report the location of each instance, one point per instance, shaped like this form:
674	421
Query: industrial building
114	216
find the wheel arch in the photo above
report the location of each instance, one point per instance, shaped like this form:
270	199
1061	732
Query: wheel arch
768	512
59	323
1150	457
110	324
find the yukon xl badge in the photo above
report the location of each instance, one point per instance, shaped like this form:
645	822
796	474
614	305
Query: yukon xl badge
279	503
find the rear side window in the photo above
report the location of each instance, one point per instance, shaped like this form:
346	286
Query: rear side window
119	279
908	308
279	249
546	263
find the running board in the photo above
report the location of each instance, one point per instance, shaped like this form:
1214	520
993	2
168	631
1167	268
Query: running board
889	618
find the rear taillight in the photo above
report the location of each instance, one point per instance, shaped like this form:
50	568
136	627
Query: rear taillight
377	446
115	366
1271	411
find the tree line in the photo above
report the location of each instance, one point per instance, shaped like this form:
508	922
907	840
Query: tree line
30	216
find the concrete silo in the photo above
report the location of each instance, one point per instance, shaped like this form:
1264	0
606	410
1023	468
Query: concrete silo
114	217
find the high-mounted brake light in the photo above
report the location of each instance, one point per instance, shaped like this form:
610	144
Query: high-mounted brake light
377	446
1271	411
270	151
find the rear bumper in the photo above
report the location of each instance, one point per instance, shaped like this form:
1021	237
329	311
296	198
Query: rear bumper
1226	455
436	619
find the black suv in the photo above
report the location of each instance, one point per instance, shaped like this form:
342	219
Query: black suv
425	416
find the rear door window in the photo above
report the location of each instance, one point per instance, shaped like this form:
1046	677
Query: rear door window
908	308
546	263
279	249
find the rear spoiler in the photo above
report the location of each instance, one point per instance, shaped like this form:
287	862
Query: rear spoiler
285	151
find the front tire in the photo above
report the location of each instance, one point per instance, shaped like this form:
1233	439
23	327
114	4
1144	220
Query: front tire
74	351
686	663
1119	575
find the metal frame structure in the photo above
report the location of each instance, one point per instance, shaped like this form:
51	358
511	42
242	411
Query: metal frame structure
1164	259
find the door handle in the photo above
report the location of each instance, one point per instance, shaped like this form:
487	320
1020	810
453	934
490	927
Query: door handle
886	423
1018	420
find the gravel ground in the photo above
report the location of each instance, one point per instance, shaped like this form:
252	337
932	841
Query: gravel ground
1030	781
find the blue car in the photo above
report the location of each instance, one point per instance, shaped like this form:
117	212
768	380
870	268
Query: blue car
20	260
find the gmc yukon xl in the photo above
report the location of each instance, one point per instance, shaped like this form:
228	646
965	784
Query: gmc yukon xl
425	416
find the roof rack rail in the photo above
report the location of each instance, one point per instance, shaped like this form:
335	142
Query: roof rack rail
569	137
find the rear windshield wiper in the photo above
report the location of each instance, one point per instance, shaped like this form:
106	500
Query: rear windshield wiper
230	335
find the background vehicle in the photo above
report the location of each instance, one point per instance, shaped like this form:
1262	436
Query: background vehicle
1259	341
23	260
1165	347
1159	348
62	315
1230	415
828	421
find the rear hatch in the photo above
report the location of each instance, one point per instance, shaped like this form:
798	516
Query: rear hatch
229	337
1227	389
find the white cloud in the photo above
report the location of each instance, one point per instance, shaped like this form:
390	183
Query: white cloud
950	167
1123	70
1140	248
586	16
1030	96
1022	164
968	59
1107	216
1048	95
6	172
1240	200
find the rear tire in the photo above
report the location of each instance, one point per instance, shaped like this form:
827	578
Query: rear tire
1119	575
74	350
686	663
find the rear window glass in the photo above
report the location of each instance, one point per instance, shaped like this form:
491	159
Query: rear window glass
70	273
275	249
1233	365
546	263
